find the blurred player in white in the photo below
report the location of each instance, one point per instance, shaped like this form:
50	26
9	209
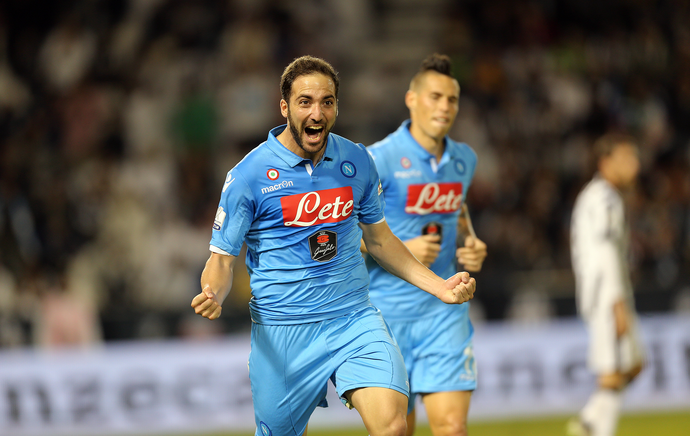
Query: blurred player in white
599	249
425	177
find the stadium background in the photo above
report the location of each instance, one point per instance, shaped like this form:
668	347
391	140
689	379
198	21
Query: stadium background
119	120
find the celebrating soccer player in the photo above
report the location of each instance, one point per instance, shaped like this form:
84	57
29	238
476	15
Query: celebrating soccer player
302	201
425	176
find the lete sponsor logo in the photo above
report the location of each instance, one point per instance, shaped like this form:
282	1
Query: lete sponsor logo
423	199
317	207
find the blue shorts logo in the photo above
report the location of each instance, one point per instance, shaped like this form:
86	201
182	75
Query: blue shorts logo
348	169
460	166
265	430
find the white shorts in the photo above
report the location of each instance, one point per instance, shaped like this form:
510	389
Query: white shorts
609	354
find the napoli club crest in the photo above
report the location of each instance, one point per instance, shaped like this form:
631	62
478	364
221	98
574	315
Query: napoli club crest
348	169
265	431
460	167
323	245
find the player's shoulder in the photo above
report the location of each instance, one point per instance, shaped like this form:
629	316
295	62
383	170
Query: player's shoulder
347	148
258	156
387	142
598	187
599	193
388	148
461	149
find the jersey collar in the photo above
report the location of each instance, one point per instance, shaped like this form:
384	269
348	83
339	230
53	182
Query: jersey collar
421	152
288	156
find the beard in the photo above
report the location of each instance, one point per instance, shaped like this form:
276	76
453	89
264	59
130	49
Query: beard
297	135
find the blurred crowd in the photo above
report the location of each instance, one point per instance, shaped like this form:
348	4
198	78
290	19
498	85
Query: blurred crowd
120	119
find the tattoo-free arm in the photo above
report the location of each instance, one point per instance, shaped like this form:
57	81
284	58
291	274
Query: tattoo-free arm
216	281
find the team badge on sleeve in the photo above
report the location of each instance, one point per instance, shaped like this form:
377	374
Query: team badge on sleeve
265	430
220	219
323	245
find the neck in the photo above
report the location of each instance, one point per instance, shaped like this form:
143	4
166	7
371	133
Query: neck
432	145
613	180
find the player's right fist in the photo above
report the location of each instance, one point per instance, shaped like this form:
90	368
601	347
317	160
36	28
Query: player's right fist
206	304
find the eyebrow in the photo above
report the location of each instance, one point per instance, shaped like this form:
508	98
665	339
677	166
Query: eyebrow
309	97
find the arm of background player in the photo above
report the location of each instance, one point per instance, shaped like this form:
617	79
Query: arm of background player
473	253
424	247
216	281
389	251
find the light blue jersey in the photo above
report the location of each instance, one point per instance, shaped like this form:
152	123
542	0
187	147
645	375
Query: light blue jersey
418	190
300	224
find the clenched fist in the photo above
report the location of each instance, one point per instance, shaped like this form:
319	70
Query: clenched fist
206	304
458	289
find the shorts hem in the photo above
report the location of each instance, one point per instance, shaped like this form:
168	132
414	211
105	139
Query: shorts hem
341	392
445	388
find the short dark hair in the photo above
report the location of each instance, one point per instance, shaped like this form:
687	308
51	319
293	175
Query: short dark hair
605	145
439	63
436	62
303	66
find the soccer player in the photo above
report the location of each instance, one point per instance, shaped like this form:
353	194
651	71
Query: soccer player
425	176
302	201
599	248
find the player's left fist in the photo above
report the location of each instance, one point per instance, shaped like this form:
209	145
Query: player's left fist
472	255
458	289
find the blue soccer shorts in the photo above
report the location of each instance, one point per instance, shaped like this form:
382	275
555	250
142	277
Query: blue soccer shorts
438	352
290	365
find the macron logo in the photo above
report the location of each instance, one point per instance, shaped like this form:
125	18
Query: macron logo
228	180
281	185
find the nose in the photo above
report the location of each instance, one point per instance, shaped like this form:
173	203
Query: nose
316	113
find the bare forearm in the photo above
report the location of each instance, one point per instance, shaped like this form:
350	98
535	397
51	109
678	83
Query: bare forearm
396	258
218	275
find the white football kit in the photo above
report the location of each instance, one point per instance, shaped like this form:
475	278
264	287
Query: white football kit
599	242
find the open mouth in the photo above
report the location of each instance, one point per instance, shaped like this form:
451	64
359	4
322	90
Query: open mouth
313	132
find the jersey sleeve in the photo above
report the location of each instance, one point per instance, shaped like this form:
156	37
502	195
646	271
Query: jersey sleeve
234	216
472	168
372	203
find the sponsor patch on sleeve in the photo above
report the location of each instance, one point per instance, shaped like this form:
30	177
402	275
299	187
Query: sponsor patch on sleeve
380	188
220	218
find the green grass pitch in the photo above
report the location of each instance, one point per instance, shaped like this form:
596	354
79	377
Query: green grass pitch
641	424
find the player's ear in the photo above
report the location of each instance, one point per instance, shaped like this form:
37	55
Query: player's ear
410	99
283	108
